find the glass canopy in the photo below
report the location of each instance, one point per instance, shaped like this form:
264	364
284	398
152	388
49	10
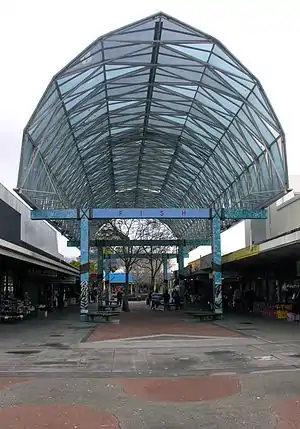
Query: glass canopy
155	114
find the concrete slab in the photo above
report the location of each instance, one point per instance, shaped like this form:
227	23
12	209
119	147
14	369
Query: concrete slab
157	377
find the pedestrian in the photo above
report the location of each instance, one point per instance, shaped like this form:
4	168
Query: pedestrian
177	300
166	298
119	298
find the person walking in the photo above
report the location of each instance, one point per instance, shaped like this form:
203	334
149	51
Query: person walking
166	298
177	300
237	298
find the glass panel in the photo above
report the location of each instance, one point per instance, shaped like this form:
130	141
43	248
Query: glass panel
119	70
188	73
174	30
212	81
142	34
113	105
177	119
68	83
261	107
75	101
193	51
187	90
220	59
169	57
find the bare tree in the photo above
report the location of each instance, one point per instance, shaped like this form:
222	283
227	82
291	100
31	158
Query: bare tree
155	230
132	229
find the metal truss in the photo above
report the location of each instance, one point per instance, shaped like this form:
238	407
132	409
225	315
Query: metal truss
155	114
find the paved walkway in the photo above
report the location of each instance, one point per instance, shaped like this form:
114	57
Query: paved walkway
150	370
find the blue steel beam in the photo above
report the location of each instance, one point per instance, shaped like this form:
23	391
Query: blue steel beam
159	213
243	214
142	255
146	243
54	214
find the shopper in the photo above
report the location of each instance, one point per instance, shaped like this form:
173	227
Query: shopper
250	299
237	299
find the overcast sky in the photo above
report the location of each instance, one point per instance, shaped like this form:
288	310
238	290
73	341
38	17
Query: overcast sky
37	38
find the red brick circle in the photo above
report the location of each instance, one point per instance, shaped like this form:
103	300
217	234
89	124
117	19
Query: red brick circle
187	389
6	383
55	417
288	414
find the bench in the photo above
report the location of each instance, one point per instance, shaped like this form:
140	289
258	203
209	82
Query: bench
203	315
107	314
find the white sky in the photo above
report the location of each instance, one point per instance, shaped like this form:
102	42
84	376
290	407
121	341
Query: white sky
37	38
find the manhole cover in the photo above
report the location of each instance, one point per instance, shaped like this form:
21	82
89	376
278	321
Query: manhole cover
23	352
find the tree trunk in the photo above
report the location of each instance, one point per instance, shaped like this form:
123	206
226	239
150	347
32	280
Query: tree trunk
152	285
125	305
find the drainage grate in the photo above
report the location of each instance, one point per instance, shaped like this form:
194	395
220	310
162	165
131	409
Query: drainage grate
56	335
23	352
246	323
297	355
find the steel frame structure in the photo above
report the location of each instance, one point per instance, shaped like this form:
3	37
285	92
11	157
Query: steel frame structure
141	243
155	114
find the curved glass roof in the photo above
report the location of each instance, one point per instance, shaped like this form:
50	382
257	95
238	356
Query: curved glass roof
155	114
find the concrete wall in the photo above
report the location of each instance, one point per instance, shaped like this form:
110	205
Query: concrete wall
36	233
283	217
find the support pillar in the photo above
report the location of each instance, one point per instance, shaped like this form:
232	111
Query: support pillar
84	268
100	267
181	268
107	282
217	265
165	269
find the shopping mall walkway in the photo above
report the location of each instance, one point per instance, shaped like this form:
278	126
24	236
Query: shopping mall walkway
150	370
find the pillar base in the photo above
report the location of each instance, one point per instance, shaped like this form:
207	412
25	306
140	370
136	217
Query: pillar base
219	315
84	318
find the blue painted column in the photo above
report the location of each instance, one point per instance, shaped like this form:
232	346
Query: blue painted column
84	268
100	276
217	264
181	268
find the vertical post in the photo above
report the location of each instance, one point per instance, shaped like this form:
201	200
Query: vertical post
165	269
181	268
84	268
107	272
100	276
217	264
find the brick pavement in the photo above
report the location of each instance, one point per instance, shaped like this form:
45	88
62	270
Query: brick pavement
265	400
6	383
70	403
144	322
181	389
